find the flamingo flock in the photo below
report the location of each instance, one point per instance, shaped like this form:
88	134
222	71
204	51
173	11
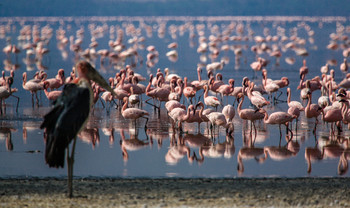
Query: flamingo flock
132	67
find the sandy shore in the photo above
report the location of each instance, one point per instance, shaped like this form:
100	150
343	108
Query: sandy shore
300	192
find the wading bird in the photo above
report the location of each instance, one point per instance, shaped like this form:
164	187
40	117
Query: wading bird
69	116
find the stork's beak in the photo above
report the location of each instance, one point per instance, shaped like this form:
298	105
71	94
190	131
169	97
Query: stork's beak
97	77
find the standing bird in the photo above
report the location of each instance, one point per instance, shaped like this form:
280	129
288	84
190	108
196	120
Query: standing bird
344	66
312	110
303	71
210	100
69	116
133	113
278	118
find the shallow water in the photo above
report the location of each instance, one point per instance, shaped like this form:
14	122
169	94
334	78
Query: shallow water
161	152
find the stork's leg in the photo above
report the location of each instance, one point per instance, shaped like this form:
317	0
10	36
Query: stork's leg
70	162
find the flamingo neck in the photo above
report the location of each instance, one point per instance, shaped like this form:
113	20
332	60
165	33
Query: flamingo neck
289	96
199	76
125	105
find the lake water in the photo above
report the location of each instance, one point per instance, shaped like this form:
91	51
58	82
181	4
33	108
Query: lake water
103	151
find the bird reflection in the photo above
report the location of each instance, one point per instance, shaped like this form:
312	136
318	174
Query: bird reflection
312	154
217	150
343	164
278	153
90	135
131	144
110	133
247	152
196	140
178	150
6	134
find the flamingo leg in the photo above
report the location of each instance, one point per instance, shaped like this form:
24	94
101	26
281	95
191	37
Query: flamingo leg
146	122
17	102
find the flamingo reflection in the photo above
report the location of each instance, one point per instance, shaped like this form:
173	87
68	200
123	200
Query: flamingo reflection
6	134
131	144
177	151
248	152
211	150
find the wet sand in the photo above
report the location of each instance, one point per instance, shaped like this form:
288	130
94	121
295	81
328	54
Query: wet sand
240	192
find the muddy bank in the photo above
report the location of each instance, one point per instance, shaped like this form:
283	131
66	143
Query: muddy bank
51	192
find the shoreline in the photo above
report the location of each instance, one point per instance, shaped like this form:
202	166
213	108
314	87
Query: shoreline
176	192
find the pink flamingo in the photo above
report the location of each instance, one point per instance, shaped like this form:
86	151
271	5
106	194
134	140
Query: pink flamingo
333	115
278	118
133	113
293	103
344	66
226	90
312	110
179	115
32	87
249	114
218	119
229	112
258	100
171	104
204	112
215	84
188	91
176	92
52	95
159	93
210	100
198	84
56	82
6	91
303	71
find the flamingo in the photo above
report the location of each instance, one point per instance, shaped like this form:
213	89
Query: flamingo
52	95
204	112
215	66
179	115
189	91
57	81
226	90
32	87
312	110
303	71
279	118
344	66
229	112
210	100
171	104
333	115
256	99
198	84
249	114
133	113
68	117
6	91
215	84
293	103
218	119
324	69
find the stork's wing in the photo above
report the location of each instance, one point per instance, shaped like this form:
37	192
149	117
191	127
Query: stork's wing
64	122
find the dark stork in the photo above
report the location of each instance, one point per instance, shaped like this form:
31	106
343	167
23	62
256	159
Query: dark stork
68	116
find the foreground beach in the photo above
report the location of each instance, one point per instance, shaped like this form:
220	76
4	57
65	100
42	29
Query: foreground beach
299	192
